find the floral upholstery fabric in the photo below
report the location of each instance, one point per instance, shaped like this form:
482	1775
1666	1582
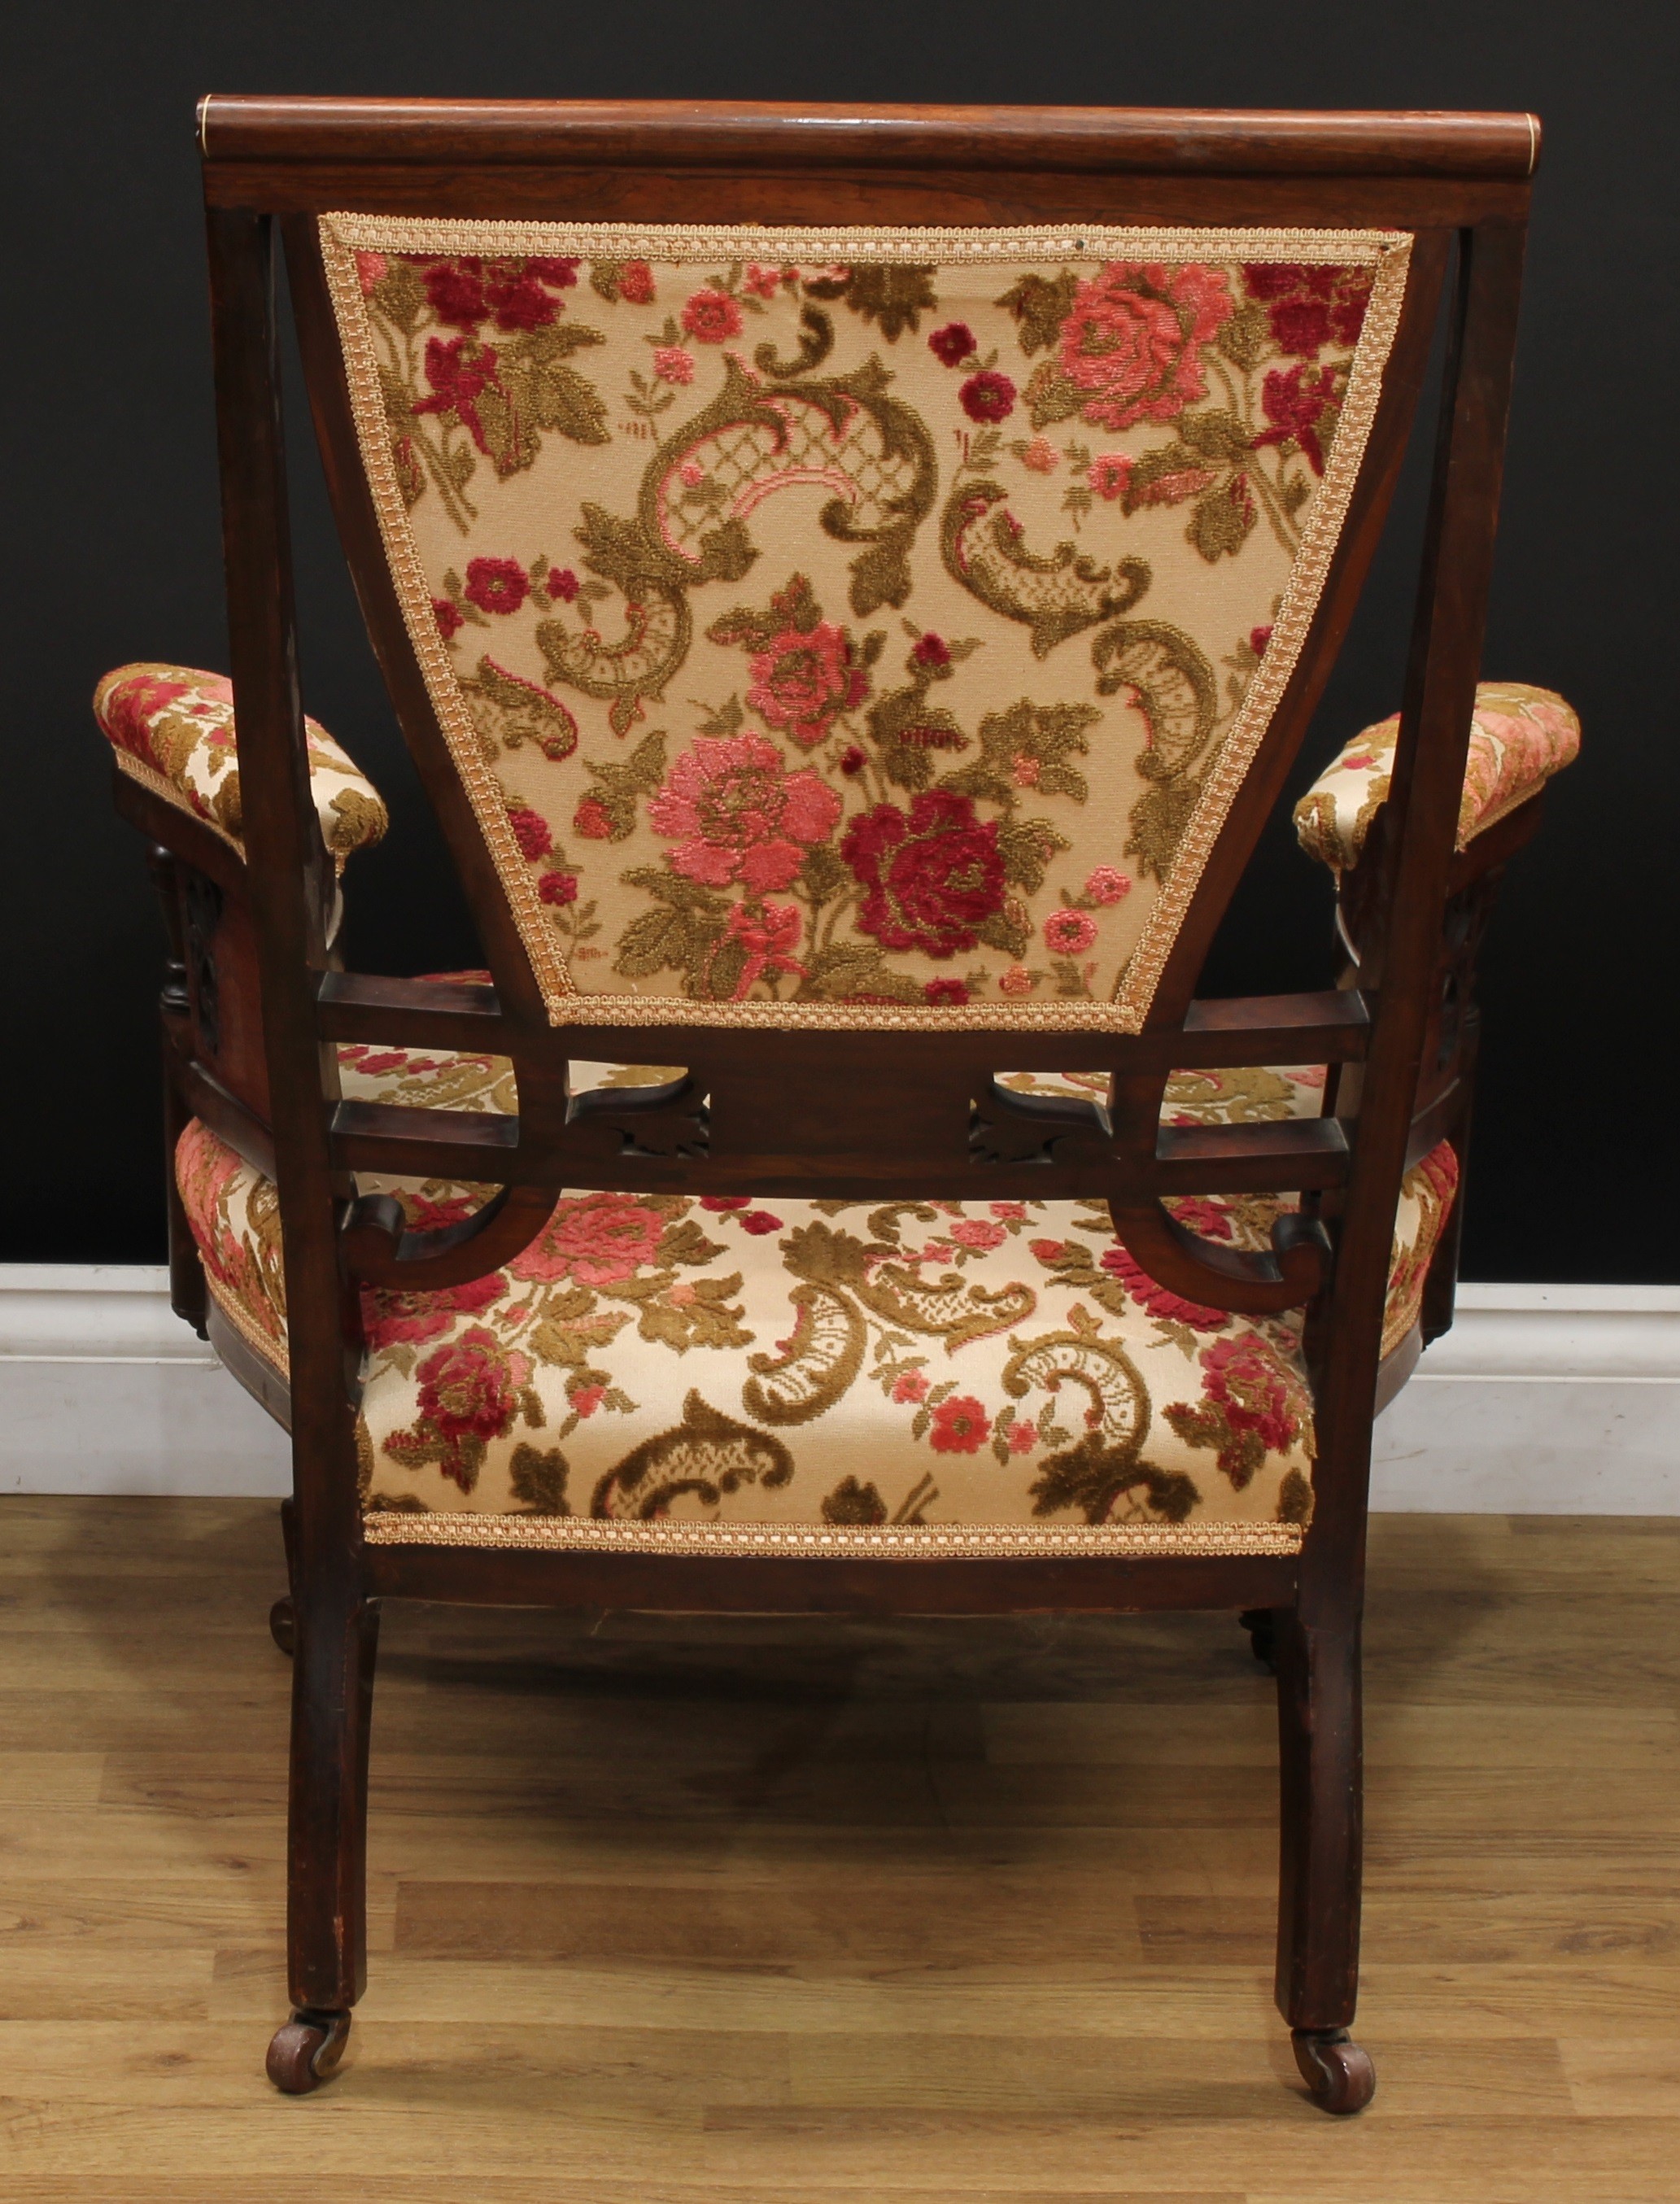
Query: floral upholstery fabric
172	727
867	627
922	1374
1519	737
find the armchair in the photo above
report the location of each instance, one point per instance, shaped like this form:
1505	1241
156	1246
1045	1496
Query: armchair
739	1238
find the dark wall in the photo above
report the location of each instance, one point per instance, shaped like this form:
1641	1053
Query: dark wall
109	485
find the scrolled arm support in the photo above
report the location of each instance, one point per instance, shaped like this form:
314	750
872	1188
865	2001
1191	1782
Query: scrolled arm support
1245	1281
378	1247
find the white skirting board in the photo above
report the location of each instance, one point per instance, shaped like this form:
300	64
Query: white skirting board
1542	1400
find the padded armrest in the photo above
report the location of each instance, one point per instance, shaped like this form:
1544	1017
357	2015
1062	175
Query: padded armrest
172	729
1519	737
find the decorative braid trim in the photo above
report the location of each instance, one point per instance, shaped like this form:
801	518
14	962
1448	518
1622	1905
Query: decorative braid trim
149	777
272	1350
894	1543
1386	251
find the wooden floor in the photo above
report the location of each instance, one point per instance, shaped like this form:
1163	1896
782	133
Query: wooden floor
673	1911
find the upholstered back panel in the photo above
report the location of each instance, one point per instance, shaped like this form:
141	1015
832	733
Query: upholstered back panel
868	627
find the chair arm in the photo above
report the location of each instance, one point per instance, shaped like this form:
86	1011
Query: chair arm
1519	737
171	728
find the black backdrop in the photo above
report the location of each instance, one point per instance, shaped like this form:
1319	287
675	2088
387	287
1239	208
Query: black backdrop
108	479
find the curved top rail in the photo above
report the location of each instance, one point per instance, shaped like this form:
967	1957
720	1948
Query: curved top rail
1160	140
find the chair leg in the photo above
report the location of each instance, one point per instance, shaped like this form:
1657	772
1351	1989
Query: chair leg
283	1615
332	1700
1318	1903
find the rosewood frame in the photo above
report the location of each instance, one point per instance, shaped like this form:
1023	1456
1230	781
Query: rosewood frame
1400	1029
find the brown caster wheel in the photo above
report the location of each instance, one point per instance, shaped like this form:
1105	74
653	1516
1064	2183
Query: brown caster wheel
1339	2074
283	1625
306	2052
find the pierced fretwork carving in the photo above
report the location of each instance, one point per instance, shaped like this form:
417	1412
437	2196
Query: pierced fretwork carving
1004	1127
671	1119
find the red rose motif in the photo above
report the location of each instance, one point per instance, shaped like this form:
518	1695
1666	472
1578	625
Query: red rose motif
930	881
562	584
930	650
987	396
953	344
1307	307
946	991
1259	637
737	814
1245	1378
519	302
1293	403
531	831
635	283
468	1388
805	680
496	585
758	1222
960	1426
557	888
459	372
1132	343
598	1239
853	763
593	821
712	316
455	293
559	275
448	617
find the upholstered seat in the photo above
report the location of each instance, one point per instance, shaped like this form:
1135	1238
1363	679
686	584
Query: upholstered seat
172	730
657	1368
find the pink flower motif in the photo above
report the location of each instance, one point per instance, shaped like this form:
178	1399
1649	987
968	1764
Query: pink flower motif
737	814
1106	886
598	1239
449	619
1023	1437
682	1294
1068	932
1048	1251
979	1234
1158	1300
769	935
531	831
953	344
988	396
1245	1376
370	269
1109	472
562	584
763	282
635	283
1042	456
586	1399
960	1426
1025	769
720	1204
496	585
713	317
1131	345
392	1319
672	364
691	474
1017	980
592	820
1015	1211
912	1385
805	679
